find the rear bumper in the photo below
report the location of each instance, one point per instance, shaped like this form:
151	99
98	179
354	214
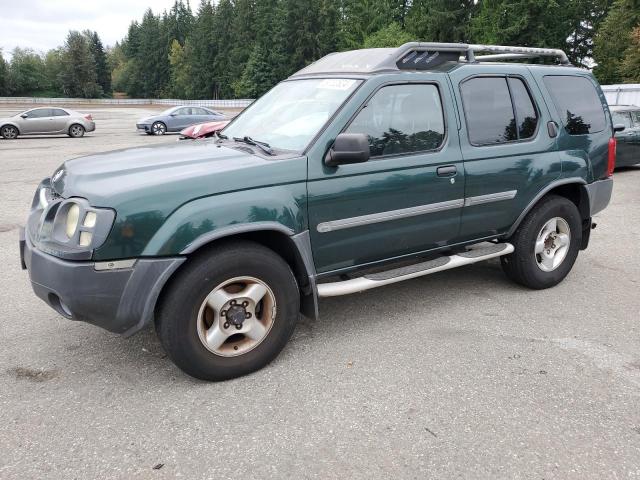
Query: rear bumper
121	300
599	195
91	126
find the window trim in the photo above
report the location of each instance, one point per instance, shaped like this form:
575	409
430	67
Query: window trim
506	76
392	83
561	116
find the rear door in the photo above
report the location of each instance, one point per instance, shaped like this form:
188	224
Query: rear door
59	120
625	150
508	153
407	197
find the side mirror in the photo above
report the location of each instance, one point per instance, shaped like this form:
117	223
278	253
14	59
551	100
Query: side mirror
348	148
24	115
618	127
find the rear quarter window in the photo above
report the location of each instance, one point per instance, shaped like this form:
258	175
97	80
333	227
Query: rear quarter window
577	102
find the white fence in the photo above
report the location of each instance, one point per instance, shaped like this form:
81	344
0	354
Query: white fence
241	103
623	94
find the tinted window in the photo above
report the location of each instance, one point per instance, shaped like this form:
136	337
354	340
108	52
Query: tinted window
40	113
58	112
526	116
401	119
577	102
488	109
621	118
182	111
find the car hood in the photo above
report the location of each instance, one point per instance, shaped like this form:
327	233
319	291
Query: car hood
164	177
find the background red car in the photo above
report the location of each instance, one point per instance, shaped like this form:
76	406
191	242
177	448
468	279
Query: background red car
203	130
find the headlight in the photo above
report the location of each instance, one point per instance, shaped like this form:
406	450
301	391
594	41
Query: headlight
73	215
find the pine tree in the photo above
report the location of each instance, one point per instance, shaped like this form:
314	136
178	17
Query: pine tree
4	74
223	26
180	83
78	75
614	39
202	53
441	20
103	74
630	66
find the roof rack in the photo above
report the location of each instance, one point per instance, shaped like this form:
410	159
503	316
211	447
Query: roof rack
422	56
418	55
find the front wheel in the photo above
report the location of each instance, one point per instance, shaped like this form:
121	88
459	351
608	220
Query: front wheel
76	131
9	132
546	244
229	312
158	128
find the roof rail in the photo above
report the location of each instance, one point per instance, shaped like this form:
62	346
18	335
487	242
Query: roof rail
503	52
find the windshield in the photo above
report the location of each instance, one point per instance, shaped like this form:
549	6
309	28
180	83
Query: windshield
291	114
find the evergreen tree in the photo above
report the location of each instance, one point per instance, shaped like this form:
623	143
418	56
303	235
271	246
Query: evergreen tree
4	74
614	40
390	36
532	23
152	56
202	53
630	66
178	22
180	84
441	20
103	74
584	17
53	70
223	26
361	18
78	73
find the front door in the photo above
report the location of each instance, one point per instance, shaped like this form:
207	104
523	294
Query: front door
37	120
407	198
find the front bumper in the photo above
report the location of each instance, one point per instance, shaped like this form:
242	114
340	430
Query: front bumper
143	127
119	296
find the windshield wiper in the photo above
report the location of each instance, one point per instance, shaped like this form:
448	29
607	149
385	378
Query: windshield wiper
221	136
265	147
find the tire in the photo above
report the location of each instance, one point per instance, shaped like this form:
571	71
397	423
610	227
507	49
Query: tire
76	131
185	319
158	128
9	132
536	233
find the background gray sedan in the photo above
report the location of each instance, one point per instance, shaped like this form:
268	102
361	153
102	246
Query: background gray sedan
177	118
46	121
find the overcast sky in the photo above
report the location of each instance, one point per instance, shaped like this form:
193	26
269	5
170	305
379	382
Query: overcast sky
44	24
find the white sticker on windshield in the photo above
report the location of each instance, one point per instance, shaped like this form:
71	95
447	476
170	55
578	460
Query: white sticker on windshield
336	84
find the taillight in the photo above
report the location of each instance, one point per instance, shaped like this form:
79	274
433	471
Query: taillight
88	117
611	163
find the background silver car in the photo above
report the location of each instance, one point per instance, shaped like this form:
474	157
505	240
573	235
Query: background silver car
175	119
47	121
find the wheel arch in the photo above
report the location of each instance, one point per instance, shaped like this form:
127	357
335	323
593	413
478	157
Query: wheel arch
9	124
295	249
574	189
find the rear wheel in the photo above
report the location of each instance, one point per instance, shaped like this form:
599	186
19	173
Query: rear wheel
9	132
158	128
230	312
546	244
76	130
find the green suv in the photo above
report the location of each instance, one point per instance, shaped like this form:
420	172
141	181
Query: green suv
363	169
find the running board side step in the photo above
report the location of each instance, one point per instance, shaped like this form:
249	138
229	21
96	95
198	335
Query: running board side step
374	280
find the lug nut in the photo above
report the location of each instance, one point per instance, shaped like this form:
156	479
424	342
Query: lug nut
238	327
226	325
223	313
232	302
247	315
245	304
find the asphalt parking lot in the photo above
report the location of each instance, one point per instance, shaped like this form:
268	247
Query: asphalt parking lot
461	374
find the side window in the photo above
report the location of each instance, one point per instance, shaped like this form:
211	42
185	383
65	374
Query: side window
621	118
181	111
58	112
40	113
636	118
526	115
488	109
577	103
402	119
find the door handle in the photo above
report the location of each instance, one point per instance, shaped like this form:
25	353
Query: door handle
447	171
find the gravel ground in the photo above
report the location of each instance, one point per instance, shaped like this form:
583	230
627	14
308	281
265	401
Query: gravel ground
456	375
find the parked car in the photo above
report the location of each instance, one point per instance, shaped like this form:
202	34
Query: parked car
388	164
47	121
203	130
175	119
628	139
